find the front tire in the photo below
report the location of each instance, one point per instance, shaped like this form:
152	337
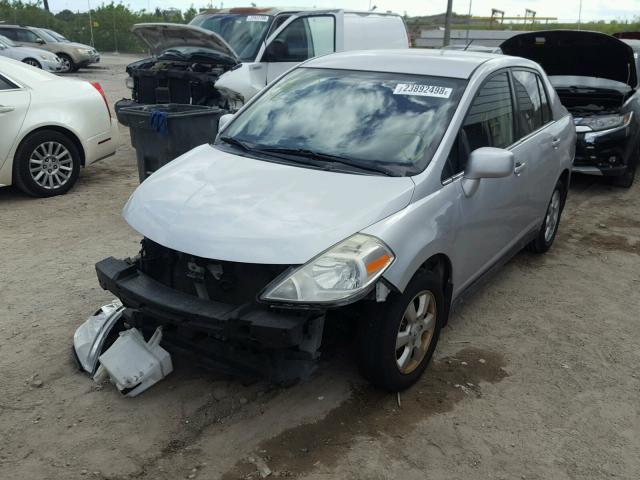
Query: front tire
397	339
549	228
68	65
33	62
626	179
47	163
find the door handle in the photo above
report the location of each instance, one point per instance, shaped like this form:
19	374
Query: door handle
520	166
555	143
6	109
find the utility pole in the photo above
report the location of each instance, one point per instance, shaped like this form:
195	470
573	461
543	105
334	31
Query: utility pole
90	22
46	5
447	24
580	16
468	24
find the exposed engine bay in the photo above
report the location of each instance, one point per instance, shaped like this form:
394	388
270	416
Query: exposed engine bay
184	77
583	102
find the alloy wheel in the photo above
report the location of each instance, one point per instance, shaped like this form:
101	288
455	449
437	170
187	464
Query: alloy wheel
51	165
415	331
553	214
66	64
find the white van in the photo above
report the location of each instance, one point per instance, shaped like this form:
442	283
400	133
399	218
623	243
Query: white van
224	57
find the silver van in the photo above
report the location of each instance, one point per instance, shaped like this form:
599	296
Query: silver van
376	187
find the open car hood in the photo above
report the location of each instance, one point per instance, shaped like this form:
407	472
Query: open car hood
214	204
163	36
576	53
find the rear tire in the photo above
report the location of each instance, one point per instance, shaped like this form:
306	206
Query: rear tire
47	163
549	228
393	350
33	62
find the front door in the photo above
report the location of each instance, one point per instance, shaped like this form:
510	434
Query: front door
300	38
14	102
491	219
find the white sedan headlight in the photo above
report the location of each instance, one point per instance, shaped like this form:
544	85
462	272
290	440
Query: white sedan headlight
343	271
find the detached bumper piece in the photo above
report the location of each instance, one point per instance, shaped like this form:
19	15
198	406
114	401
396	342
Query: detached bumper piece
247	340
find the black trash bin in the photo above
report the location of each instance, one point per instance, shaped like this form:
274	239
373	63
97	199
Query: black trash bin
160	133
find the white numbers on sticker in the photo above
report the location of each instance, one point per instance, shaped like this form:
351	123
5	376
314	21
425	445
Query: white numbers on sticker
422	90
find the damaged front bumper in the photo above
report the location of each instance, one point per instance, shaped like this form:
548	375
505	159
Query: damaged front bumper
252	338
605	153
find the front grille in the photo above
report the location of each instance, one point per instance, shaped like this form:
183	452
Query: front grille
227	282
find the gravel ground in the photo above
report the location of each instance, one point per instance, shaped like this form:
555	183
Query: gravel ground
536	376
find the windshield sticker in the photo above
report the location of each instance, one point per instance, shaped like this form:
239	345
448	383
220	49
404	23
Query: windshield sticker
422	90
257	18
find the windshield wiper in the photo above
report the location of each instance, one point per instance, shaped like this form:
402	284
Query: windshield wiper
329	158
235	142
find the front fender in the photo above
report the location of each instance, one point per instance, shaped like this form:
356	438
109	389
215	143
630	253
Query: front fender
424	228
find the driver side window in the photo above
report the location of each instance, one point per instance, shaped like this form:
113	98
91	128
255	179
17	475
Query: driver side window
27	36
489	123
304	38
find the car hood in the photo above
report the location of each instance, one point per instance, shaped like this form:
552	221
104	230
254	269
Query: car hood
163	36
577	53
76	45
213	204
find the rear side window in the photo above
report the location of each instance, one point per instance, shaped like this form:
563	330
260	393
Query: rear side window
10	33
530	112
6	84
489	123
546	105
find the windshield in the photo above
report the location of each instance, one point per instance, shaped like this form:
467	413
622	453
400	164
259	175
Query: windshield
4	40
383	120
244	33
56	35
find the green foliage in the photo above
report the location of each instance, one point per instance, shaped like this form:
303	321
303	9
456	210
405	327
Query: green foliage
111	22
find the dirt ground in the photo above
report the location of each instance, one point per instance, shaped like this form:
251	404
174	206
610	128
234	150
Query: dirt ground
536	376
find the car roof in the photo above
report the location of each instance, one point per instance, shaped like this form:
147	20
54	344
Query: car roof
441	63
278	10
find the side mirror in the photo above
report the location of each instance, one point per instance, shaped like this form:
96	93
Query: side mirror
224	120
486	162
40	41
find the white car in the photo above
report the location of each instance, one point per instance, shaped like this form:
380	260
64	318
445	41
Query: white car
31	56
49	128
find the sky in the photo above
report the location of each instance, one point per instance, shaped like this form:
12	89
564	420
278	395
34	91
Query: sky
566	10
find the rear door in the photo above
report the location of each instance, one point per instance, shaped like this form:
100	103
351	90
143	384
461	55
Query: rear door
14	103
539	139
300	38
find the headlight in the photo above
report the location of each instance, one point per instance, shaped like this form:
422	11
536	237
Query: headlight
343	271
604	122
45	57
84	50
128	82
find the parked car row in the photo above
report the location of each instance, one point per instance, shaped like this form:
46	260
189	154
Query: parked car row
72	55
